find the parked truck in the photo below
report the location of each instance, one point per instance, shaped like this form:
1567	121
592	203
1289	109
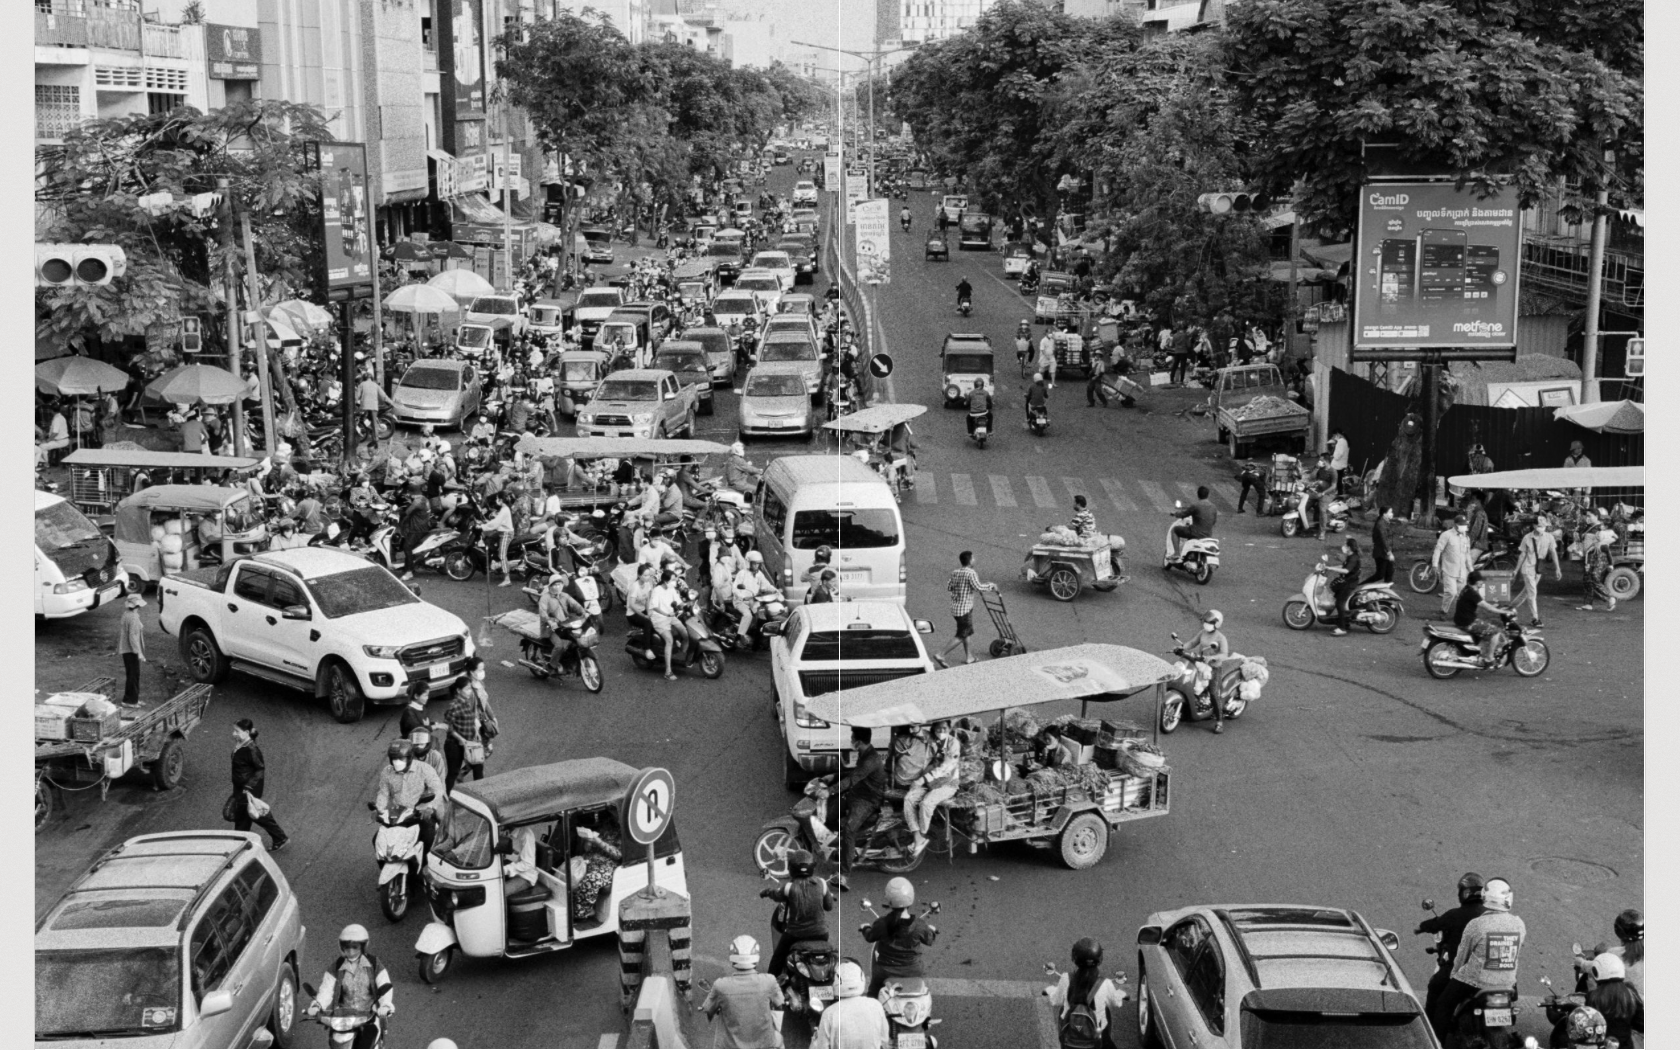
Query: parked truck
1251	404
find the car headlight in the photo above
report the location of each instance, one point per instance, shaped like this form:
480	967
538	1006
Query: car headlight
382	652
69	586
641	418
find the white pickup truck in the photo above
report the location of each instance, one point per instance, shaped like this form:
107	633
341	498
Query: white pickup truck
324	621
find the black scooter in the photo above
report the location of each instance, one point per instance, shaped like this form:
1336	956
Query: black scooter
1038	420
696	647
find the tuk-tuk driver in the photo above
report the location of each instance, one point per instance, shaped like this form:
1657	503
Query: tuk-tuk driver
738	472
519	868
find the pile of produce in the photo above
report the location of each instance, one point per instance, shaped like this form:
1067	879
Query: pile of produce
1267	407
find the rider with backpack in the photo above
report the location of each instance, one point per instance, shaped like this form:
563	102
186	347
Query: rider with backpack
1085	999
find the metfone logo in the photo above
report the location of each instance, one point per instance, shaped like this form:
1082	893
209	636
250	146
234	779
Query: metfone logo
1479	329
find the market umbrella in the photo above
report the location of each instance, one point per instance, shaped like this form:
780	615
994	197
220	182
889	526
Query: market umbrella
420	299
449	250
1606	417
281	334
876	419
462	284
408	251
197	384
302	315
78	376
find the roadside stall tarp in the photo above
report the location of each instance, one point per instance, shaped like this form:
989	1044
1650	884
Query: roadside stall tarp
116	457
876	419
1546	478
616	448
1606	417
1075	672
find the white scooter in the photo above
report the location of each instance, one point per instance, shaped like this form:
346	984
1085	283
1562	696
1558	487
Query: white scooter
980	427
1198	557
341	1025
1373	605
908	1002
398	852
1295	525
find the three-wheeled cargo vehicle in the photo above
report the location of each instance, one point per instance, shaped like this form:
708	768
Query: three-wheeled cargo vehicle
166	528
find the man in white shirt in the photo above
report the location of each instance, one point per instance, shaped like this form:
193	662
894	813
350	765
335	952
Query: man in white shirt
750	582
1338	454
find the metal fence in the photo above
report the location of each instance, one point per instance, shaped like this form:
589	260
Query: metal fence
858	307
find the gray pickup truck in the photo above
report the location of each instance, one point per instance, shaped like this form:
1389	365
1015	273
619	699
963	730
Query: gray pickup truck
1251	404
640	403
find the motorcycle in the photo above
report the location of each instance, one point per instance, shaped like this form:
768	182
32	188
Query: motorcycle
808	978
1038	420
696	647
1373	604
980	427
907	1000
341	1024
1448	650
1488	1018
398	852
965	307
1119	979
1198	557
887	845
1191	694
767	608
1340	507
904	223
571	651
1424	578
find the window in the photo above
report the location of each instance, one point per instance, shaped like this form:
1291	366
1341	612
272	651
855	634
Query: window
464	840
287	592
260	893
210	961
158	104
1181	943
855	529
252	585
775	512
228	913
1207	984
58	109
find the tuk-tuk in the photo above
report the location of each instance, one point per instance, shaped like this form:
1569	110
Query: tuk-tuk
626	337
701	233
579	373
100	477
647	455
547	318
210	525
918	179
953	205
1102	773
963	360
538	814
473	340
1016	256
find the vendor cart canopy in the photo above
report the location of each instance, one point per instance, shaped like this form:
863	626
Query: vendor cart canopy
617	448
877	419
144	459
1606	417
1548	478
1076	672
539	792
194	499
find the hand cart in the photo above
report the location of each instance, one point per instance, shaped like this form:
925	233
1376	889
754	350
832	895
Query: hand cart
1283	484
1007	643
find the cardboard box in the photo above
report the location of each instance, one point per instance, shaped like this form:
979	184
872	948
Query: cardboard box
52	721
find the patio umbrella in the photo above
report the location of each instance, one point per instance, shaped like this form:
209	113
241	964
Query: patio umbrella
281	334
197	384
449	250
1606	417
408	251
303	315
462	284
876	419
420	299
78	376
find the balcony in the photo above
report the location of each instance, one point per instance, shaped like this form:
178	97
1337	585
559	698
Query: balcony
1559	265
163	41
83	25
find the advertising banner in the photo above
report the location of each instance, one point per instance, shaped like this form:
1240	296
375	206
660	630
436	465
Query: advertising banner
874	242
472	174
445	173
857	188
233	52
469	58
831	172
346	213
1437	267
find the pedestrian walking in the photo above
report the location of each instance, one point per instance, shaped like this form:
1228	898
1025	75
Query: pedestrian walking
962	585
1537	545
414	714
244	807
472	726
131	645
1452	560
1180	370
1046	363
1382	546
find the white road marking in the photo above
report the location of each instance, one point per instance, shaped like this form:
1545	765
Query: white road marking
926	491
1226	491
1117	496
962	486
609	1041
1040	491
1157	495
1001	491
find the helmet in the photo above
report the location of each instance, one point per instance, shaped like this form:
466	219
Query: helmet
755	558
1087	952
1609	967
1586	1025
861	455
900	893
1215	617
1038	377
1470	887
442	447
800	863
848	980
1630	925
1497	895
441	1044
738	448
355	933
400	749
287	524
743	953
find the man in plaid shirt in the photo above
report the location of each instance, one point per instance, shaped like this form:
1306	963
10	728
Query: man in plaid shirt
963	583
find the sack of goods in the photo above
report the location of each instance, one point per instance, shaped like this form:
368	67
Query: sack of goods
1254	669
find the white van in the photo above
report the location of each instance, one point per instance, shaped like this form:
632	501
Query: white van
806	502
76	566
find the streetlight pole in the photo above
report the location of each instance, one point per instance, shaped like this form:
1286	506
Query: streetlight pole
869	58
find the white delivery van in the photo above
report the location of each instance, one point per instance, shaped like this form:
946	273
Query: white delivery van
76	566
807	502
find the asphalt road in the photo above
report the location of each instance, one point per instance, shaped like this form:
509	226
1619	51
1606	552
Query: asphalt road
1356	781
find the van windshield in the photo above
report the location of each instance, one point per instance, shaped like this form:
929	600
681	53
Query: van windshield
107	993
61	526
866	527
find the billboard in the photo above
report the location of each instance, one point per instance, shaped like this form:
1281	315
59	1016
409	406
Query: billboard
346	216
874	242
1437	267
233	52
469	58
857	188
831	172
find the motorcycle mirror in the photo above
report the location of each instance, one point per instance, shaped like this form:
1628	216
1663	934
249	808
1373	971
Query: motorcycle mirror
1175	636
1050	969
933	908
309	989
1575	949
1428	904
866	904
370	807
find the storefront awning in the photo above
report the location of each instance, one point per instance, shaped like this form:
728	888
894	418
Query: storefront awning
475	207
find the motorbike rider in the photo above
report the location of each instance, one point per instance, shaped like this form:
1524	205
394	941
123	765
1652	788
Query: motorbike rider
1487	955
1584	1027
750	585
1450	925
1084	523
1087	987
1618	1002
636	603
901	448
1347	580
1320	489
356	982
979	407
965	291
1038	397
738	472
409	786
854	1021
1209	644
748	1000
904	216
555	609
1630	932
1195	522
804	897
863	790
898	937
1023	342
1470	601
420	738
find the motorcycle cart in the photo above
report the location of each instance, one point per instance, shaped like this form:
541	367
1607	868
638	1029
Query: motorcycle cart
166	528
1283	484
101	477
1068	569
1109	774
937	247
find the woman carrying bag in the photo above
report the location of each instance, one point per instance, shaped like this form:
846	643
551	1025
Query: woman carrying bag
472	726
245	806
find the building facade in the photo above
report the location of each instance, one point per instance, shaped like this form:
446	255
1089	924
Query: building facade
921	21
108	60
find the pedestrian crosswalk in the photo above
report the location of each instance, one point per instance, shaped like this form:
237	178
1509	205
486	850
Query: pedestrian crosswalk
1034	491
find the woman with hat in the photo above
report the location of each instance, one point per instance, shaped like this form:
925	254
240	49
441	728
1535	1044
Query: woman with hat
131	645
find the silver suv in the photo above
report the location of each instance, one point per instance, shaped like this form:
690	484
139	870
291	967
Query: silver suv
182	939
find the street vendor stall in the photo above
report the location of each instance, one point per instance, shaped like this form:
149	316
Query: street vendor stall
1066	563
101	477
1066	783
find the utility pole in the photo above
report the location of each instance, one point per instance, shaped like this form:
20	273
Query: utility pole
253	297
1595	293
507	203
231	291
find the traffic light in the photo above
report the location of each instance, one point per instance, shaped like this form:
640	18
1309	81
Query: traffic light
63	265
192	336
1635	366
1233	203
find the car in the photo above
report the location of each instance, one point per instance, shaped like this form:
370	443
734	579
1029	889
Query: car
686	359
795	348
437	391
804	259
799	304
779	263
937	247
782	157
805	192
497	311
965	357
640	403
818	647
765	284
728	258
595	305
805	214
1273	975
183	939
742	210
600	246
796	321
975	232
720	351
1016	256
775	403
734	308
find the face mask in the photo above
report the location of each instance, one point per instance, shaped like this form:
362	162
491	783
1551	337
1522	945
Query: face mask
478	676
1463	529
399	766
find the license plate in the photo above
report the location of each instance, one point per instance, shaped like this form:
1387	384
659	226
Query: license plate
437	671
108	594
912	1041
1496	1018
858	576
781	423
823	992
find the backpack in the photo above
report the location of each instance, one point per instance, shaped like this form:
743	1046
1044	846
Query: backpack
1079	1027
912	754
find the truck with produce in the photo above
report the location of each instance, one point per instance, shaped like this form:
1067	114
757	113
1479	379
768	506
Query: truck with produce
640	403
323	621
1251	404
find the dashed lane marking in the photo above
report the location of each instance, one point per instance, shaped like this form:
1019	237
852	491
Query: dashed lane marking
1157	495
1226	491
962	487
1117	496
1002	493
926	490
1040	491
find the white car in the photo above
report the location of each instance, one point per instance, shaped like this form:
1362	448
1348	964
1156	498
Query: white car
594	306
763	283
805	192
881	642
497	311
778	263
734	308
794	322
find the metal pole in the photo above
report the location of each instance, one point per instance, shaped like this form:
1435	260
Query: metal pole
869	78
253	296
1595	292
378	348
1291	306
507	202
1431	419
347	378
230	279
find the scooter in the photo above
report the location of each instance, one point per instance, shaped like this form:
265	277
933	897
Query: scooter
697	647
767	609
1490	1016
1293	525
1198	557
1191	694
1029	284
398	852
574	654
1038	420
980	427
965	307
1374	605
907	1000
904	223
888	845
1448	650
808	979
341	1024
1055	976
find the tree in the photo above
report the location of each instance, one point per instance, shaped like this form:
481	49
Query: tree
89	189
799	99
1535	90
